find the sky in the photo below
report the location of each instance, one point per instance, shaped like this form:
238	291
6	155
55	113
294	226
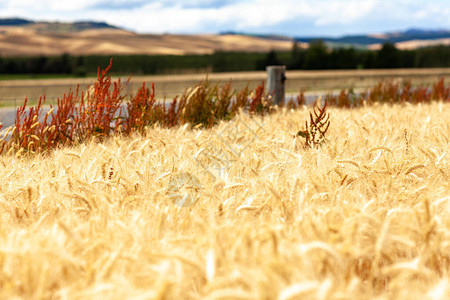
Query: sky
284	17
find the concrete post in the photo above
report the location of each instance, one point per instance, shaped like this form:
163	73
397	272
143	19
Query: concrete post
275	83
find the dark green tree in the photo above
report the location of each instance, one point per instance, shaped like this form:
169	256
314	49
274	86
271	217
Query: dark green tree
297	57
433	57
219	61
388	57
38	65
272	58
80	68
316	56
343	58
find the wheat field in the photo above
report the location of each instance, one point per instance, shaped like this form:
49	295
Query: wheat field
239	211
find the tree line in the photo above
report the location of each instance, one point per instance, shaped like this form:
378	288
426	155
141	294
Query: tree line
317	56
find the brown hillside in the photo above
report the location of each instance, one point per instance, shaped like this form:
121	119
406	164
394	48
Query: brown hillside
32	40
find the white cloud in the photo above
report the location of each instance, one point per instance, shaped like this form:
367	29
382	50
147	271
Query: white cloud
339	12
238	16
241	15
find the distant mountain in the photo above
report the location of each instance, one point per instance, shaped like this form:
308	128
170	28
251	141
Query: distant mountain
414	31
371	39
56	26
275	37
14	22
408	39
92	25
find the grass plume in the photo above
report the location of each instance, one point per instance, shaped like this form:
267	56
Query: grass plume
314	133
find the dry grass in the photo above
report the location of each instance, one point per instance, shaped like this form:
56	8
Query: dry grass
365	216
32	41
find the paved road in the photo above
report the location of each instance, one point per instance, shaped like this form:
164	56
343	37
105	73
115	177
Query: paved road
8	115
172	85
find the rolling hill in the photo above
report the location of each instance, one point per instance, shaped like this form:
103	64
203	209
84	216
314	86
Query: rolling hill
411	38
21	37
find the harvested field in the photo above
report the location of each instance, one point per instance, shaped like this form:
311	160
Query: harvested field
13	92
32	41
365	216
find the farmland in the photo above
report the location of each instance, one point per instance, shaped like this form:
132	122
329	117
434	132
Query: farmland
364	216
13	92
178	203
